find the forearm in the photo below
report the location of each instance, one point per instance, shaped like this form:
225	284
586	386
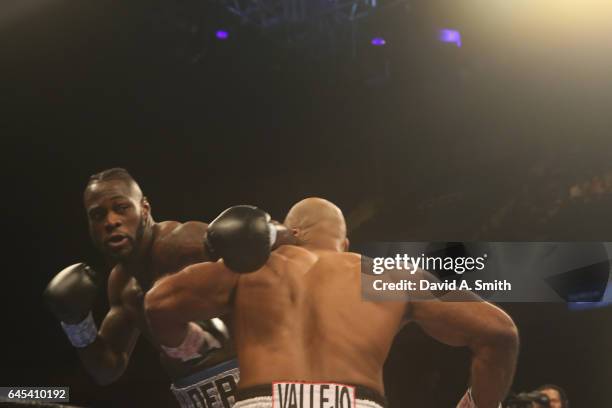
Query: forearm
178	336
485	329
492	369
284	236
169	328
103	363
199	292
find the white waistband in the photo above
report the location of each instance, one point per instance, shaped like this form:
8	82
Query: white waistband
267	402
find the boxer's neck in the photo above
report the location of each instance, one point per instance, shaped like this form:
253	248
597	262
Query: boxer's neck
139	265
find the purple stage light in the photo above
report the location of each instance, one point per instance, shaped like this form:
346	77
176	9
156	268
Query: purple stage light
222	34
450	36
378	41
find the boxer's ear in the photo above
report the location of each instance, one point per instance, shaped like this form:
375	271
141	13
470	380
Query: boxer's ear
146	207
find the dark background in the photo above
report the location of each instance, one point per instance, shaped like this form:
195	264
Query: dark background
505	138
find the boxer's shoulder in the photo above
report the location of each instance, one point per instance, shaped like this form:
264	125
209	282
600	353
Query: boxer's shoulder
339	258
171	231
287	255
177	245
289	251
190	228
300	259
339	264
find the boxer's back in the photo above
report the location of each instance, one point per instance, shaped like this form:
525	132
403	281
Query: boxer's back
302	318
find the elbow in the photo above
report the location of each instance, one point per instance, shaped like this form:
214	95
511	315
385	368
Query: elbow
102	363
103	380
509	337
504	334
104	376
498	332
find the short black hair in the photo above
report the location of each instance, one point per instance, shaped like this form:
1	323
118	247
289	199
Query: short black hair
115	173
561	391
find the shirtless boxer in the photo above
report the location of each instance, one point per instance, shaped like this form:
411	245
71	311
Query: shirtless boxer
141	251
301	318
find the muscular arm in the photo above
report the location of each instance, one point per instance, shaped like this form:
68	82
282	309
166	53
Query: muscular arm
462	319
243	237
107	357
198	292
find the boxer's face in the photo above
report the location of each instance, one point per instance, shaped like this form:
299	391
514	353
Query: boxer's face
117	214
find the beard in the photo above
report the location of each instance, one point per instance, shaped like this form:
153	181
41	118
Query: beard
134	244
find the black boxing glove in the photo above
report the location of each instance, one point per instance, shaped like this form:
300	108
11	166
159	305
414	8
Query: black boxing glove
70	296
217	328
243	236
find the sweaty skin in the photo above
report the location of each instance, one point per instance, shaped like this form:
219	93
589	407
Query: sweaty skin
122	228
302	316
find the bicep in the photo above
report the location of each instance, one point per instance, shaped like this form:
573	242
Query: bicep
464	320
456	318
452	323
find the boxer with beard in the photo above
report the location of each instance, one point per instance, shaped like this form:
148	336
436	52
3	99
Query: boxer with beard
140	251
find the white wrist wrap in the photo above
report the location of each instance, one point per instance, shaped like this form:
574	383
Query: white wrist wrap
81	334
197	340
273	232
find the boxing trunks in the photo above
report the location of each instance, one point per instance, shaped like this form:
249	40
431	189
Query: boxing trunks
309	395
214	387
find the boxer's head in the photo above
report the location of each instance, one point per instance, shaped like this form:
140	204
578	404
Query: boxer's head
318	222
118	213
